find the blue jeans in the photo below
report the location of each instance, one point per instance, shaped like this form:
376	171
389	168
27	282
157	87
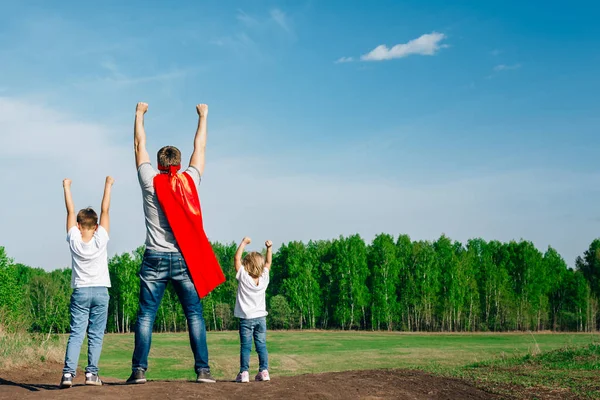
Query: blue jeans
89	311
253	328
157	270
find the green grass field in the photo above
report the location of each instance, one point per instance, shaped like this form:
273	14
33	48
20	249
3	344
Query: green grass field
299	352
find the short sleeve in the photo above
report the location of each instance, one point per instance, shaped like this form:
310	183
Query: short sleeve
240	272
265	277
194	174
244	277
101	236
146	174
73	233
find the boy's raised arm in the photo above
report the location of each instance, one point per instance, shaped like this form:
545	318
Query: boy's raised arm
197	159
71	216
104	208
239	252
269	245
139	136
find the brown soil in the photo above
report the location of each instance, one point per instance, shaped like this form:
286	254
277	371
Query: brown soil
380	384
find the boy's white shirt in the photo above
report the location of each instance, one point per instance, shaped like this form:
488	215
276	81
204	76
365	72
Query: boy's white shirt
250	300
89	261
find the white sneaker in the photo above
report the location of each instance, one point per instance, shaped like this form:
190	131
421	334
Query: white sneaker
243	377
92	379
262	376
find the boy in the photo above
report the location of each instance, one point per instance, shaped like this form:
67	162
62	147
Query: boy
90	282
253	278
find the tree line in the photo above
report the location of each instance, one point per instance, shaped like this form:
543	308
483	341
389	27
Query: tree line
393	284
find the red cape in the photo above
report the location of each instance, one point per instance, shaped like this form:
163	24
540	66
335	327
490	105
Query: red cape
179	201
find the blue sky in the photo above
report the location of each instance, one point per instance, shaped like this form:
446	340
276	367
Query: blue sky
471	121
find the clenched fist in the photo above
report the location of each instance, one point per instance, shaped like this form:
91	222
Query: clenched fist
246	240
66	183
141	108
109	180
202	110
268	243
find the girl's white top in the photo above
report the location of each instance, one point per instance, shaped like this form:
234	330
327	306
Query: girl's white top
250	301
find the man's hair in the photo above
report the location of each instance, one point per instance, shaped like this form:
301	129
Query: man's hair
169	155
254	264
87	218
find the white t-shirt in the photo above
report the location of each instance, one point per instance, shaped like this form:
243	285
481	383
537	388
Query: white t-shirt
250	300
89	260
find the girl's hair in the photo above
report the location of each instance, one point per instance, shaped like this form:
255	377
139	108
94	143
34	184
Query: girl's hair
254	264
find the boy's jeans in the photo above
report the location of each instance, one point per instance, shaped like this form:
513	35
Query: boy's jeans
89	310
157	270
253	328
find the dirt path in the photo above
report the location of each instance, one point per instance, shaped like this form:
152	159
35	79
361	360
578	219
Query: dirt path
381	384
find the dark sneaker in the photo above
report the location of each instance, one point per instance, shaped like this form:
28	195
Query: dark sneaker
137	376
66	381
204	376
92	379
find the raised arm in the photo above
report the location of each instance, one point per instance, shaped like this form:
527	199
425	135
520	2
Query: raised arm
197	159
269	245
104	214
139	136
71	216
240	250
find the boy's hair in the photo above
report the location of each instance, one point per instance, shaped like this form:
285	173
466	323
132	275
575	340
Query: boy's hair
169	155
87	218
254	263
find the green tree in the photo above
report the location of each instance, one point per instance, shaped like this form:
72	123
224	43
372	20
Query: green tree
11	293
214	312
280	313
385	278
426	278
49	298
124	291
452	283
350	272
407	286
301	286
589	265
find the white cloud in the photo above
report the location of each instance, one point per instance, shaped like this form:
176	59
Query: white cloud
504	67
281	19
344	60
427	44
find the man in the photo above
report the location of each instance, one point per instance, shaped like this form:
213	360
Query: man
177	249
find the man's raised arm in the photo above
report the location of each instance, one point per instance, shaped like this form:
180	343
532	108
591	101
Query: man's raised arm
197	159
139	136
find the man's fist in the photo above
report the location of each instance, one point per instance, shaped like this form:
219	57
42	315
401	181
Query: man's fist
202	110
268	243
141	108
246	240
109	180
66	183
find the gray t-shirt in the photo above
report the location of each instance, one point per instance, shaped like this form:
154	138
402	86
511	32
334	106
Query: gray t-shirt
159	236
